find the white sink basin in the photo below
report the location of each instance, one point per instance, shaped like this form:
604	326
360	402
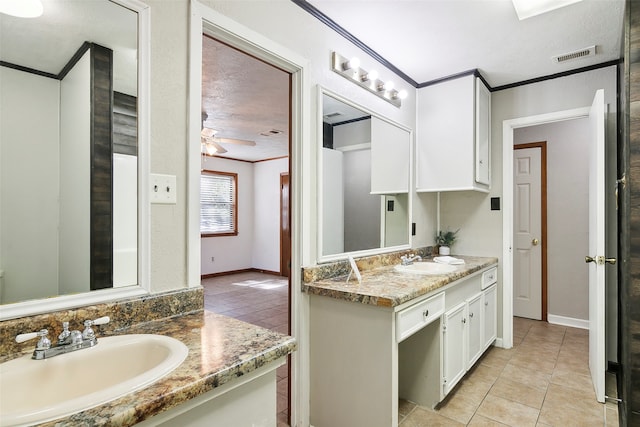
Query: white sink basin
432	268
35	391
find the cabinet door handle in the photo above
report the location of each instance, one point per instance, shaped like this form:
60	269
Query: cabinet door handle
470	314
464	320
425	313
486	303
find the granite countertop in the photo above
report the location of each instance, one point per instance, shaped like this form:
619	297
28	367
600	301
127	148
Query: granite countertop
220	350
386	287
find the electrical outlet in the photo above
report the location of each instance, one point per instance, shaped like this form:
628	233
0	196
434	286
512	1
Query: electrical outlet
163	189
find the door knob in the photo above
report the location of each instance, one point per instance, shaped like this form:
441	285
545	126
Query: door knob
589	259
535	242
610	260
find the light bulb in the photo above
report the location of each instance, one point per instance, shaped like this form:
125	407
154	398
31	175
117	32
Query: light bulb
211	150
351	64
388	85
371	76
402	94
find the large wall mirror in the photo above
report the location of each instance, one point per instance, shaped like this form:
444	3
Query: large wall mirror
72	142
364	181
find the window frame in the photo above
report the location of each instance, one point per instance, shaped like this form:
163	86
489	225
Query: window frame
235	205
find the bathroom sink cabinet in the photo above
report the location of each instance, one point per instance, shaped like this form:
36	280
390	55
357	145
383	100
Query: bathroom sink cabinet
453	136
364	357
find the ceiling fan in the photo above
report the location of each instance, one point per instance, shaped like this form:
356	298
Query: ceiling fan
210	143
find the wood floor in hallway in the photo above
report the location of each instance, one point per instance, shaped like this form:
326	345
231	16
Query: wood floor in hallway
260	299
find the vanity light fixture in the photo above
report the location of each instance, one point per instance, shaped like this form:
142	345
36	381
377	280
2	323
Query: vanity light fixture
22	8
350	69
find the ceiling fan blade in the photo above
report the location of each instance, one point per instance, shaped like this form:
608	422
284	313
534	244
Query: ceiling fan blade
219	149
235	141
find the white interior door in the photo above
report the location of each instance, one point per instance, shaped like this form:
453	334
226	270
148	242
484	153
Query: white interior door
527	229
597	244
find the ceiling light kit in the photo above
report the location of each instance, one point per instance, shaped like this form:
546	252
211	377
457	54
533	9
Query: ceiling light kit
350	69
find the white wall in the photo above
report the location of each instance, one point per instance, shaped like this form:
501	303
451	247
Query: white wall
333	202
125	220
266	242
567	213
29	136
75	178
232	253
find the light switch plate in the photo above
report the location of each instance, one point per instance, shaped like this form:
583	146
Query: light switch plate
162	189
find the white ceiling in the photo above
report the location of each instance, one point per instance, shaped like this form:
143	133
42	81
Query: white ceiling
431	39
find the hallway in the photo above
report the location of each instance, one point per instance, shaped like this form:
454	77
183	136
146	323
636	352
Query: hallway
260	299
543	380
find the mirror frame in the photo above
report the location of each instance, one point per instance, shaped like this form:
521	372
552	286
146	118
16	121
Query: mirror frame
47	305
365	252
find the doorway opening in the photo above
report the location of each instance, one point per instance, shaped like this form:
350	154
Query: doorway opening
245	223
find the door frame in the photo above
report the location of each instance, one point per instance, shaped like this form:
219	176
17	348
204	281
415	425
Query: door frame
204	19
543	218
508	128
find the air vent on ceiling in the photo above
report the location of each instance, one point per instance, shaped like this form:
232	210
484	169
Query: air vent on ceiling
271	132
332	115
582	53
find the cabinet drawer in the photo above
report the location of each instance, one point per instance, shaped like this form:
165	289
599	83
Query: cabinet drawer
489	277
414	318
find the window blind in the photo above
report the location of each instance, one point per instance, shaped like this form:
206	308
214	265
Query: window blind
217	203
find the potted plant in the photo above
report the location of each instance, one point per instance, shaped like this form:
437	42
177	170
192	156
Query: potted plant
446	239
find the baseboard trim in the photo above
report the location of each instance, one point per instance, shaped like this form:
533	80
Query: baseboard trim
244	270
568	321
498	343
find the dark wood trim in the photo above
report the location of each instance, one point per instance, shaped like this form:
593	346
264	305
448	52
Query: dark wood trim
543	220
556	75
455	76
101	141
28	70
245	161
346	122
76	57
243	270
271	158
347	35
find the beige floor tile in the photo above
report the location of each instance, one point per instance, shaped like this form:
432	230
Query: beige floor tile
508	412
474	389
480	421
485	372
421	417
458	407
405	407
497	357
612	416
573	364
526	376
571	379
565	406
533	362
518	392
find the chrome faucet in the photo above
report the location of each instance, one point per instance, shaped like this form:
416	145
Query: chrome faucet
409	259
68	341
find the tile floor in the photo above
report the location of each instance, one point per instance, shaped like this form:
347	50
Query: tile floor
543	380
259	299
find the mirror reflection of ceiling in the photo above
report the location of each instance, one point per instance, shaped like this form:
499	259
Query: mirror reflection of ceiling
431	39
334	111
48	42
247	99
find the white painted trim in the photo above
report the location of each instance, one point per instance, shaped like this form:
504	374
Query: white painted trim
498	343
203	18
508	127
568	321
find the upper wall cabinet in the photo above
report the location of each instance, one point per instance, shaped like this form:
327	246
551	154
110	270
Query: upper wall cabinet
390	158
453	147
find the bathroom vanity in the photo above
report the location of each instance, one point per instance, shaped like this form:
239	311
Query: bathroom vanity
395	335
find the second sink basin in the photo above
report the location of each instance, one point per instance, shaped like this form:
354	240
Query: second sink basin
432	268
35	391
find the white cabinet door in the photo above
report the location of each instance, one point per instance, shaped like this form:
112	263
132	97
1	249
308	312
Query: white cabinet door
483	126
474	330
490	315
453	136
390	158
453	338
